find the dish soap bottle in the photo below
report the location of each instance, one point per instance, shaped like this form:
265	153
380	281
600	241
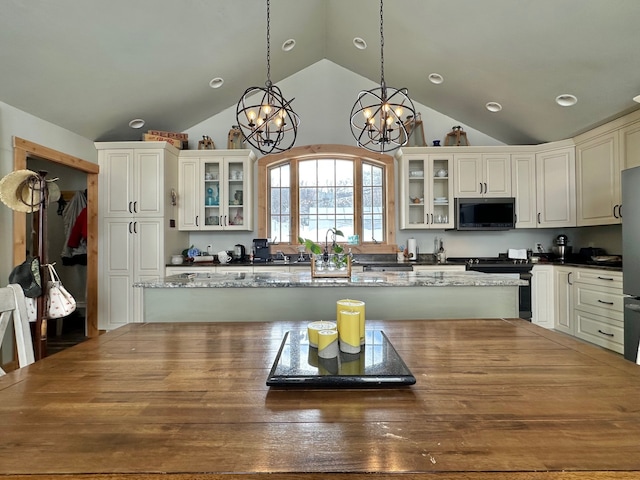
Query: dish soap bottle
442	257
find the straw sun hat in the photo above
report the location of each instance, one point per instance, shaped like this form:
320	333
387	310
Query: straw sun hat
20	191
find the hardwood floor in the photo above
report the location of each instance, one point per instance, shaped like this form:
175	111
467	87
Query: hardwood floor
73	332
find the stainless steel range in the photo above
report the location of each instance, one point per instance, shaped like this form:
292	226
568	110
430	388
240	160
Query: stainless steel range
504	266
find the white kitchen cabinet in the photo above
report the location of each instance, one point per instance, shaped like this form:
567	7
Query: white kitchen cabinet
482	175
564	278
598	308
523	183
598	194
556	188
542	296
426	196
630	145
439	268
216	190
134	179
179	270
137	224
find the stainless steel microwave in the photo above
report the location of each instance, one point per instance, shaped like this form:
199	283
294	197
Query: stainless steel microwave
485	213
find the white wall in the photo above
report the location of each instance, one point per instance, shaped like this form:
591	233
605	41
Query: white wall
324	94
14	122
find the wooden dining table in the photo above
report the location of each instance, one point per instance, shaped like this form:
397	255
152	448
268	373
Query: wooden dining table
493	399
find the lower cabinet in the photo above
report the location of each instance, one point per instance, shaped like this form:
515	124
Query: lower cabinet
439	268
563	305
542	296
584	302
598	308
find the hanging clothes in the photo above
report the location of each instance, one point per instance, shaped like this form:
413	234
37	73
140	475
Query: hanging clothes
75	255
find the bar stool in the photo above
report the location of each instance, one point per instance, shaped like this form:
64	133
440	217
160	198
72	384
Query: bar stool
12	304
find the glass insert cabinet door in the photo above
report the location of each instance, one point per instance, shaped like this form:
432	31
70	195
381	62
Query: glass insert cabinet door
224	194
426	191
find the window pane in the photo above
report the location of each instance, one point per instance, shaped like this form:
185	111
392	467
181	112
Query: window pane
376	176
285	200
307	173
275	200
274	180
285	176
326	199
344	172
344	200
308	200
366	175
326	173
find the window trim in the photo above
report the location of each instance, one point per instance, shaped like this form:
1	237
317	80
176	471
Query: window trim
342	152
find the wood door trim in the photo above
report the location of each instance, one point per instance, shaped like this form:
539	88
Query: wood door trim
22	149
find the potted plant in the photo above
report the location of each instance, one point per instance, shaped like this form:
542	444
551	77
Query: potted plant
331	257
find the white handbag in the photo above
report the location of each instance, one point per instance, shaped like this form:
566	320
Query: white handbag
60	302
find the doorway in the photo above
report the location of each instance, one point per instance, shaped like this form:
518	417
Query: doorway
24	149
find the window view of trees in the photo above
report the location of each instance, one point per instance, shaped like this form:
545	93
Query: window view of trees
308	196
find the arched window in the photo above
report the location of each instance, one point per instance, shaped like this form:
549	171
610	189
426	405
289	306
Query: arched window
305	191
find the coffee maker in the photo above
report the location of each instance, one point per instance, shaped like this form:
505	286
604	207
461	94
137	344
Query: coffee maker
260	249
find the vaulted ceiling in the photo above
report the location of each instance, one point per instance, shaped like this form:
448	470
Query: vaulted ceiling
91	66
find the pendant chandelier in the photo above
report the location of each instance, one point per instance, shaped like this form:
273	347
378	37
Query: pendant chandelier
376	117
265	117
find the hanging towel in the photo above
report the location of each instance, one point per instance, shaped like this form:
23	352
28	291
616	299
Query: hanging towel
73	209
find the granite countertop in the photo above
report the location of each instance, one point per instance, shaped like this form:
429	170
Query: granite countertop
304	279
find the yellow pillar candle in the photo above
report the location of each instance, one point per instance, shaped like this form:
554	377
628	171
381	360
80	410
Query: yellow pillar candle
353	306
314	327
327	343
349	331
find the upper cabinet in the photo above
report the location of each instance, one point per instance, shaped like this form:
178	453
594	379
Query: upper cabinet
134	179
556	187
630	145
523	184
216	190
426	197
598	180
482	175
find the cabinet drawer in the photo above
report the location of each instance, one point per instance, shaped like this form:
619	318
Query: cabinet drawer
599	330
602	278
602	301
439	268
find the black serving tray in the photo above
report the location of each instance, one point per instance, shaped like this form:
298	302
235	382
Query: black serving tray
377	365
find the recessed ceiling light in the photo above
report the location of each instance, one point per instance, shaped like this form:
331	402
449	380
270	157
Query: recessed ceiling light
216	82
566	100
136	123
359	43
288	45
436	78
494	106
636	98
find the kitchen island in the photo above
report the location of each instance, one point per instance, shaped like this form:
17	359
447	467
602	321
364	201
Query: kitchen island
244	297
496	399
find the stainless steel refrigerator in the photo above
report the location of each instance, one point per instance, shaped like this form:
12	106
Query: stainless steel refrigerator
631	260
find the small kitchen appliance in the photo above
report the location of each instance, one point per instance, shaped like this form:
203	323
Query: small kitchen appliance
239	253
260	249
562	247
